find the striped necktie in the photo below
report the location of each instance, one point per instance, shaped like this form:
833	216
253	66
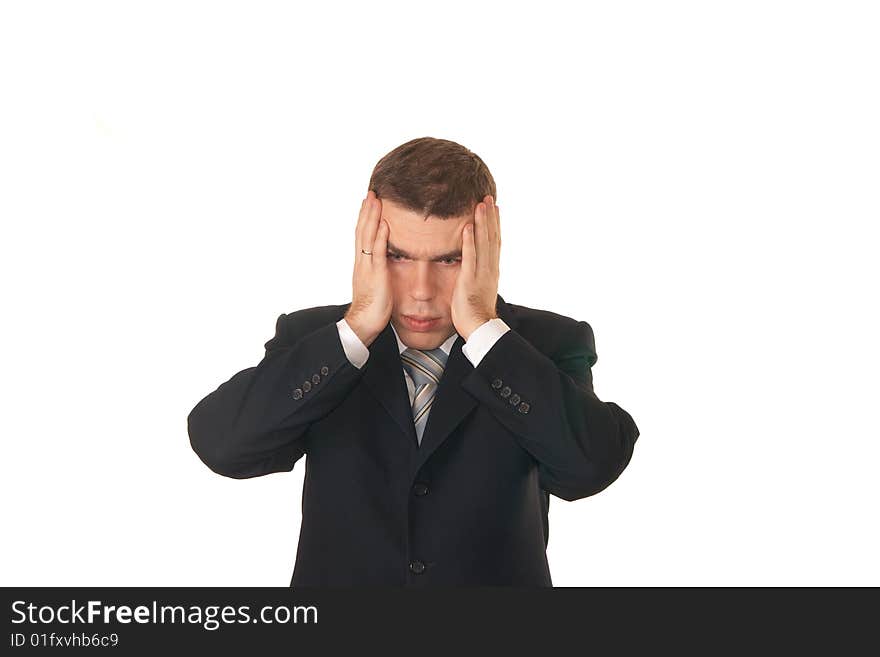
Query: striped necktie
425	368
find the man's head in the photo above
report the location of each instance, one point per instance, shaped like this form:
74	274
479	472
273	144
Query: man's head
429	188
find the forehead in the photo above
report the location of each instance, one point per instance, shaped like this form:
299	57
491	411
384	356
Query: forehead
411	232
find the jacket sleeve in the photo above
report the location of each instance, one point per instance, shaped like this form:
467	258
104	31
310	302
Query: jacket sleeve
254	423
581	443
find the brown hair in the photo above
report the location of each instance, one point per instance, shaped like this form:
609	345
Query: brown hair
434	177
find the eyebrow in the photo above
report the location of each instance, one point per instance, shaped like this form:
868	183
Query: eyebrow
443	256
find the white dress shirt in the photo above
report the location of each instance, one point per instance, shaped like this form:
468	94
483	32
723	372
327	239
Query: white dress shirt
478	345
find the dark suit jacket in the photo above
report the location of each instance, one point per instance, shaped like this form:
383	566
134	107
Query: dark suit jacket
466	508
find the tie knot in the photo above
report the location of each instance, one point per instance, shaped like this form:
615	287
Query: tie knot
424	366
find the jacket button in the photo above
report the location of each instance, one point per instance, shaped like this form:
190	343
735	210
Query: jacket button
306	386
523	408
416	567
420	489
325	371
505	391
514	399
316	379
496	384
297	394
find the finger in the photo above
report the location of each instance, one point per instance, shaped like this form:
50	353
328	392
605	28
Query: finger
492	223
468	252
359	229
497	235
481	236
380	245
371	226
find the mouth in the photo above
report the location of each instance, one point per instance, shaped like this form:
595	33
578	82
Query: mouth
416	323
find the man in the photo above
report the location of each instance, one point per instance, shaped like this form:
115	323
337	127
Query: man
436	418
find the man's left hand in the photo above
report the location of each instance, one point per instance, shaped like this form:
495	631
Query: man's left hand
476	288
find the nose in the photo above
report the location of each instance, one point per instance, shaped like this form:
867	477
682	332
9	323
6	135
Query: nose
423	285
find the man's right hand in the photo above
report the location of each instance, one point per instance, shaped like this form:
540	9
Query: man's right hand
370	309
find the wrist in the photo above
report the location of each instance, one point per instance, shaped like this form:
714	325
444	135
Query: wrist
364	335
473	325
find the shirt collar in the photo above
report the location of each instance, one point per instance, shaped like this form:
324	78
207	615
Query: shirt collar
446	346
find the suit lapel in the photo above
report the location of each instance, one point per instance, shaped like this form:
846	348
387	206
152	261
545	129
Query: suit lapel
383	375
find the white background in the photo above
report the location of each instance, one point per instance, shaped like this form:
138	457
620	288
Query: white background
697	180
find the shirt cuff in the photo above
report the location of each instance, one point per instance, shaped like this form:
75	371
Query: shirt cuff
483	338
355	350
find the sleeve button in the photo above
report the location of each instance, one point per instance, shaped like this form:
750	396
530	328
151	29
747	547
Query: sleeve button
297	394
496	384
306	386
325	371
514	399
316	379
523	408
505	391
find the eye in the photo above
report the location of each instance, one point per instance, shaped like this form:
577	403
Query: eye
451	261
392	256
